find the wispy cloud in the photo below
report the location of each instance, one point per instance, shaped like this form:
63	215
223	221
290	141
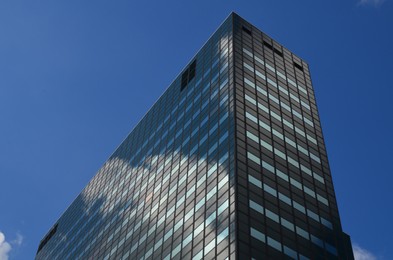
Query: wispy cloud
371	2
18	240
5	247
362	254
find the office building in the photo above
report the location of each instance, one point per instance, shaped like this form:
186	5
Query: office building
229	163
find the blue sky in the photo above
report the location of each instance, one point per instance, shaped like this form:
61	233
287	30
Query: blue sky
76	76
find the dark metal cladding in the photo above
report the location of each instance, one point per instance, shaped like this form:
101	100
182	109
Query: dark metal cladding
285	201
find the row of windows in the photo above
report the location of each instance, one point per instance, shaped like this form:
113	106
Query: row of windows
277	86
194	132
289	201
213	47
84	219
267	146
276	245
110	184
168	116
282	137
282	175
191	191
274	99
215	242
263	92
94	218
286	63
223	68
162	137
214	146
292	227
217	45
188	215
283	105
271	68
75	230
165	179
290	160
168	144
281	90
145	218
198	230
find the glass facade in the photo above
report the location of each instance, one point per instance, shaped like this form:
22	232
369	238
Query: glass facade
229	163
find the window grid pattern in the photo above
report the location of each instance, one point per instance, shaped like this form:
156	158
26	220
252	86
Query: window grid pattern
282	166
167	191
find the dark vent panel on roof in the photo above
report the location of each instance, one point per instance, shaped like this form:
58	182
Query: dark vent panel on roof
247	30
277	52
47	238
268	45
184	79
191	73
188	75
298	66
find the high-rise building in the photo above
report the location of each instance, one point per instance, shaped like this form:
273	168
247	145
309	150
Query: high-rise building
229	163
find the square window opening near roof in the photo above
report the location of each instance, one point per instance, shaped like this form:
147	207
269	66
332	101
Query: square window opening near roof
268	45
277	52
188	75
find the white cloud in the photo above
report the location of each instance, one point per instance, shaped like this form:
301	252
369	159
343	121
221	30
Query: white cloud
371	2
5	247
362	254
